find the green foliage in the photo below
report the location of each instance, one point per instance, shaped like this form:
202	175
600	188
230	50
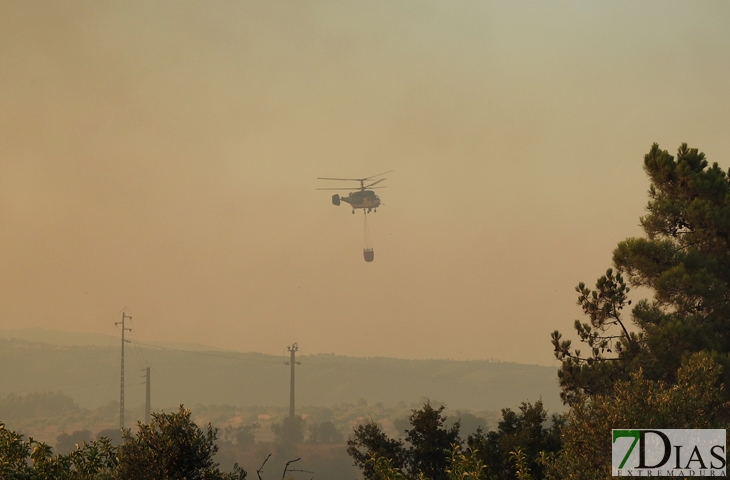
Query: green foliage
370	445
462	465
430	442
382	468
672	372
171	447
14	454
684	260
32	460
523	432
465	465
113	434
521	468
596	373
95	460
66	443
433	450
694	400
468	422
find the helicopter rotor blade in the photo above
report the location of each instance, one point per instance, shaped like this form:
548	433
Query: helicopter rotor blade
355	179
374	183
368	178
346	188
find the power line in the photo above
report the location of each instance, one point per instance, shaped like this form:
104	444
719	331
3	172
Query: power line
207	354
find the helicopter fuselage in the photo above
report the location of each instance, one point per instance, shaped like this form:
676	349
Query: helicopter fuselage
363	199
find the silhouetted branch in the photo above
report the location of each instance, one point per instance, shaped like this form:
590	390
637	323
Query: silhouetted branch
286	467
258	472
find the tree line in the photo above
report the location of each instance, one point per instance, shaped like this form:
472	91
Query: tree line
170	447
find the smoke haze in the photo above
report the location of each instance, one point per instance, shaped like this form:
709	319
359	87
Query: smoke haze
163	156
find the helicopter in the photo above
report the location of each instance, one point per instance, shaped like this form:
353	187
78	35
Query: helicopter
363	197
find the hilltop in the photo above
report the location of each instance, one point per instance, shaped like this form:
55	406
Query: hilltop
194	374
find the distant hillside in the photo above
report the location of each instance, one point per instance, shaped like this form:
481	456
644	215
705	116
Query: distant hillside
90	375
87	339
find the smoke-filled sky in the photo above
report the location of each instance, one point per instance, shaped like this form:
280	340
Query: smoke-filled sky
164	156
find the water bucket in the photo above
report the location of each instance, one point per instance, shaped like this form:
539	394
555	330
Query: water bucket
369	254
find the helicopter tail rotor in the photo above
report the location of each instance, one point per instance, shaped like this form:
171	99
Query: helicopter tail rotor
336	200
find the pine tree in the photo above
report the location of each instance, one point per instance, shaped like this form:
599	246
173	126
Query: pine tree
684	259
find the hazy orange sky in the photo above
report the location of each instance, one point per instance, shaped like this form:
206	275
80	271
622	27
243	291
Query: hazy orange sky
163	156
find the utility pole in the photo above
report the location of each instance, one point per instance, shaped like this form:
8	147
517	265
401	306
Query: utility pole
121	390
292	351
147	403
